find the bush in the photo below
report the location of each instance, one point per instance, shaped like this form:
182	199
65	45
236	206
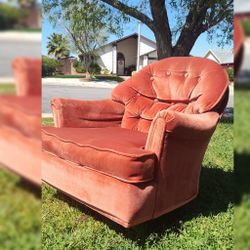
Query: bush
230	73
10	16
93	69
246	26
49	66
79	67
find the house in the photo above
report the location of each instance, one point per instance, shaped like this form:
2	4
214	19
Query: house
224	57
67	67
120	56
242	8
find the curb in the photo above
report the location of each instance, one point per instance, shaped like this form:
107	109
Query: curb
47	115
7	80
78	82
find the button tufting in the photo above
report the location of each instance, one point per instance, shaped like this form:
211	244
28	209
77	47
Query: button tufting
138	94
168	73
155	100
186	74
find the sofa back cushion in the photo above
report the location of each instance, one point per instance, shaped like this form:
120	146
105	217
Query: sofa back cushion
183	84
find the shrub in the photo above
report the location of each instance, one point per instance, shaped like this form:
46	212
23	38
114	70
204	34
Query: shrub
10	16
78	67
93	69
246	26
49	66
230	73
105	71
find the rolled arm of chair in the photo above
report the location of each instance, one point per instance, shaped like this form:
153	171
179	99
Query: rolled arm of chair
180	125
82	113
27	73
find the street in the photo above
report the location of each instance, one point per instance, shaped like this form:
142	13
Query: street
13	45
78	92
84	93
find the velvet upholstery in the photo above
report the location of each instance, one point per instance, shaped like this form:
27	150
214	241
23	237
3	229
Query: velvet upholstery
28	75
22	113
112	151
180	84
20	122
166	112
81	113
238	45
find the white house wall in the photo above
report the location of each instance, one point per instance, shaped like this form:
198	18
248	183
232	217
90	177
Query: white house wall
211	57
105	59
146	46
128	48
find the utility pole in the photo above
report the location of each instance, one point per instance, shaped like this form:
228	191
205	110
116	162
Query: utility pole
138	46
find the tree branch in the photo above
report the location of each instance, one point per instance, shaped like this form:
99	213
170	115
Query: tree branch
131	12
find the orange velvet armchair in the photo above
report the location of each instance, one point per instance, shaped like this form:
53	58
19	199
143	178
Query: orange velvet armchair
138	155
239	38
20	121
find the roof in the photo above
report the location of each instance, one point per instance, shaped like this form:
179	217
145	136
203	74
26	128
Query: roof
222	56
133	35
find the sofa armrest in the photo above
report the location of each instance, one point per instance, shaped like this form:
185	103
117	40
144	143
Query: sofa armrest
180	125
27	73
82	113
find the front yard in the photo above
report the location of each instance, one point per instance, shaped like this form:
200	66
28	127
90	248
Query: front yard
206	223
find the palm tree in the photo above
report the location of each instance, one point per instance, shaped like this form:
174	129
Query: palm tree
58	46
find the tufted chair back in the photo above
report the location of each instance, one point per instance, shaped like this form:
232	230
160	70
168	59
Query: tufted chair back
183	84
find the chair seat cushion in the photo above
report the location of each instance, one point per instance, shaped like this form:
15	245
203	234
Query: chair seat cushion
22	114
113	151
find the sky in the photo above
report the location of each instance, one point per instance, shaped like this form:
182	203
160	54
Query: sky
200	48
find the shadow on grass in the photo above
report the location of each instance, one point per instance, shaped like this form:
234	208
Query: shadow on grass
22	183
242	173
216	193
29	187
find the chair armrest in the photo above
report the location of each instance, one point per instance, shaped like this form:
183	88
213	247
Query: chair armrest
82	113
27	73
180	125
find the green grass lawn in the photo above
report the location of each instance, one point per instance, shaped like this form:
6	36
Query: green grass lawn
7	88
205	223
242	170
27	30
20	207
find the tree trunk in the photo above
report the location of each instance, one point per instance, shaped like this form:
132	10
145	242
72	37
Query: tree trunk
88	76
185	44
164	49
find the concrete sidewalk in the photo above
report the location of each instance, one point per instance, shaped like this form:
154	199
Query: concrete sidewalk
21	36
78	82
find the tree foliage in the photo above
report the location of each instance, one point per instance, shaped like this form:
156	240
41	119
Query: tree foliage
86	23
189	19
58	46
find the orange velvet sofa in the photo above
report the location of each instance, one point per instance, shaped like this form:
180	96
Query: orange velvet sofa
239	38
138	155
20	121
